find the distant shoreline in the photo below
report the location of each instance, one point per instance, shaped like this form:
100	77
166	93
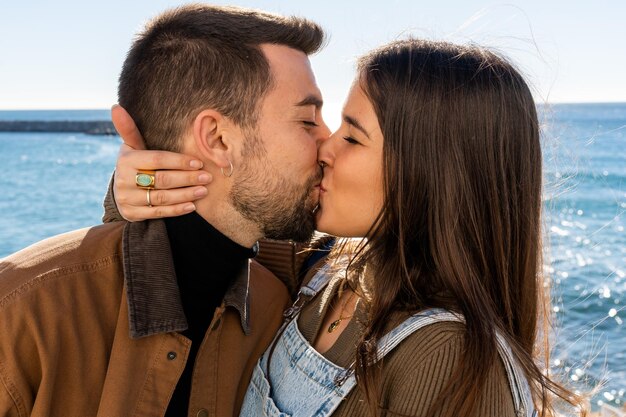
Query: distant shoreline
92	127
98	121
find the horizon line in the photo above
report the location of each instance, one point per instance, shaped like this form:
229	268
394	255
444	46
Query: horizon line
108	109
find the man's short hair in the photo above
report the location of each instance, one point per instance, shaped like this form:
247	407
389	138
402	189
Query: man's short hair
199	56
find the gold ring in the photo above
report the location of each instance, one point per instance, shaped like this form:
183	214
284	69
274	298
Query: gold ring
145	179
148	197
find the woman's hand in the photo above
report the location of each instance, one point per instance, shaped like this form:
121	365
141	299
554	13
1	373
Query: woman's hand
179	179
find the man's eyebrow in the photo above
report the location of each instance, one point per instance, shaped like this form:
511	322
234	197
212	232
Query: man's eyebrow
310	100
352	121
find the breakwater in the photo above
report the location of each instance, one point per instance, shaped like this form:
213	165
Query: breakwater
90	127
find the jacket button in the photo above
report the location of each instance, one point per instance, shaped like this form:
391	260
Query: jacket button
171	356
203	413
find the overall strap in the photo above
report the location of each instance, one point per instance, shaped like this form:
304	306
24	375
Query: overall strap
319	281
346	381
392	339
522	398
520	390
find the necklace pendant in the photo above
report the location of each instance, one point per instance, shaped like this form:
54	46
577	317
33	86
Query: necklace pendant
334	325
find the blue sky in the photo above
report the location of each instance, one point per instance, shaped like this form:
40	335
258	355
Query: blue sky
67	54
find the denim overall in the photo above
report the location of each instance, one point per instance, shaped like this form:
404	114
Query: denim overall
305	384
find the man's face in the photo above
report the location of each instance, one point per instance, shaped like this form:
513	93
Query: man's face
278	185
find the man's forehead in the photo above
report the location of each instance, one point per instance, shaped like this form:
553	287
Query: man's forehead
292	76
282	57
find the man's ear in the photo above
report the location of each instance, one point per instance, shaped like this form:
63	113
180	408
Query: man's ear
208	133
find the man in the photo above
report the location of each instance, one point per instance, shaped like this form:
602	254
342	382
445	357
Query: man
168	317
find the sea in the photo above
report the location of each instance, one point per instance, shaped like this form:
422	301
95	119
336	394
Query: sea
51	183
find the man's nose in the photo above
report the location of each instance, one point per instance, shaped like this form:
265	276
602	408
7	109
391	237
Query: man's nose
323	133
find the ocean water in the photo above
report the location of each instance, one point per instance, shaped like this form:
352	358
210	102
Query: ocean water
54	182
51	183
585	205
56	115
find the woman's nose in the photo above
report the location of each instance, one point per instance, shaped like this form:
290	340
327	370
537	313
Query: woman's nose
325	153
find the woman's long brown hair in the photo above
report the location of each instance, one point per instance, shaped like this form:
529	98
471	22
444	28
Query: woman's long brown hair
461	224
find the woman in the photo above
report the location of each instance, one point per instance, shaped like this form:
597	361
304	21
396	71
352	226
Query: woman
437	306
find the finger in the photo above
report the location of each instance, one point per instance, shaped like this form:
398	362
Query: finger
138	198
156	212
176	196
167	179
126	127
134	160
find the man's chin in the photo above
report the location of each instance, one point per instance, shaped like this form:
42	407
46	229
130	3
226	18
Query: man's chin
299	228
296	223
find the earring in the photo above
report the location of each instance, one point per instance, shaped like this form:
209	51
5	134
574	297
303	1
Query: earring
230	171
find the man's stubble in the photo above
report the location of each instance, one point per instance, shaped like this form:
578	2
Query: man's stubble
282	207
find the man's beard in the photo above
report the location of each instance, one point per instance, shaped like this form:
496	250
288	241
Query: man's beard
283	209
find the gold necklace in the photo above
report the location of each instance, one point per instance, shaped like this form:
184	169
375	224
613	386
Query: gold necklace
333	326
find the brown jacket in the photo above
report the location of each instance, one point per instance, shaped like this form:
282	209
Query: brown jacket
89	324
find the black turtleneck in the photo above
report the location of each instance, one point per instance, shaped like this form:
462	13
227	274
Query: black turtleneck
206	264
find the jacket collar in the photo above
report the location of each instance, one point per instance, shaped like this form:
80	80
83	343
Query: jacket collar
154	303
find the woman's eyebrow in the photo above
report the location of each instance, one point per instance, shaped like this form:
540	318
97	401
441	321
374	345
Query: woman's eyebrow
352	121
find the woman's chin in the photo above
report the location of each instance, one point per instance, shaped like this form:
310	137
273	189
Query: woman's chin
320	224
340	226
324	224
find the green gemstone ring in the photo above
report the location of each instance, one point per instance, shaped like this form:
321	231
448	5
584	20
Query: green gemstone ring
145	179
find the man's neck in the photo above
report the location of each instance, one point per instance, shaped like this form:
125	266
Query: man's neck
229	222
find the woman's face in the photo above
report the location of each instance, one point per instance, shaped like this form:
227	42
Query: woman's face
351	193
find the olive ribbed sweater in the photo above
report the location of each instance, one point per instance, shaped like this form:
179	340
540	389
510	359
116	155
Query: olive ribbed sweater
414	373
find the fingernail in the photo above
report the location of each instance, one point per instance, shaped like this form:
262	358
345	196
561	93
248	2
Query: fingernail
204	178
195	164
200	192
189	207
